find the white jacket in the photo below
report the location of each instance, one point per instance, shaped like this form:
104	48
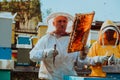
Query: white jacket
64	62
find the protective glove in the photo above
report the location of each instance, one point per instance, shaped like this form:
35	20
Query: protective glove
111	60
85	61
117	60
103	59
50	53
100	59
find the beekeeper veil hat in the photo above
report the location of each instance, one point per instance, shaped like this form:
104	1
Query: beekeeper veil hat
108	24
51	17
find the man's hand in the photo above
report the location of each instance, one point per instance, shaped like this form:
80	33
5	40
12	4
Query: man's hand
117	60
50	53
83	53
103	59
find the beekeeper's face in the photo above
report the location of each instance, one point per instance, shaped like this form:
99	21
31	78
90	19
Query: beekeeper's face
110	34
60	23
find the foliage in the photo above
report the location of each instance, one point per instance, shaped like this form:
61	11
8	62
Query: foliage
22	6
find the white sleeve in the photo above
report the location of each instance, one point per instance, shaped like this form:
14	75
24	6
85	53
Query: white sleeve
87	61
36	54
93	60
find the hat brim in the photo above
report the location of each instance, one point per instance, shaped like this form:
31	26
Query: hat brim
53	15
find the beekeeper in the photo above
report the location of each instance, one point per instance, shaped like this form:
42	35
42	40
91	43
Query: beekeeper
51	49
107	44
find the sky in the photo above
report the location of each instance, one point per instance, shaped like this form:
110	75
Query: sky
104	9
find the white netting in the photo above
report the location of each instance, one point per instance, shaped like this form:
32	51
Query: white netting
51	17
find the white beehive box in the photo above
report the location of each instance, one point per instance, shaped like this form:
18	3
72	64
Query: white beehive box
6	20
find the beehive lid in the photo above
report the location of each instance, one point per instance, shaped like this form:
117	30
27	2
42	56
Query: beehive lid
7	15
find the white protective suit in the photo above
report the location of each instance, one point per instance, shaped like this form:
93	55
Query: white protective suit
64	62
